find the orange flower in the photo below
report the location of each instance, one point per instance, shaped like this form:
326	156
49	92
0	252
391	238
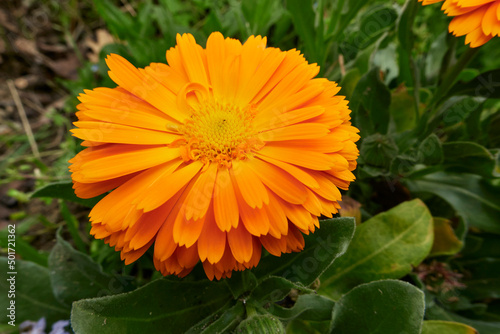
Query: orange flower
478	19
223	151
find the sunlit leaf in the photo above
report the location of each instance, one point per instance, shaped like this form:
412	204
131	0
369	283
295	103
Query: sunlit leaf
386	246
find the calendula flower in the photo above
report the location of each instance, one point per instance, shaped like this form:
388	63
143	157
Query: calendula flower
479	20
222	151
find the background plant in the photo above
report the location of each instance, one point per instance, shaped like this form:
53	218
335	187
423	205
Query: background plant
423	257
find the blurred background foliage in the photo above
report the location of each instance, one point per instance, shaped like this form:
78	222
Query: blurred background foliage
427	108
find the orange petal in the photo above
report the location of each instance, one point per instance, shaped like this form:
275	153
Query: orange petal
249	184
163	188
225	204
200	196
143	86
285	186
212	240
240	243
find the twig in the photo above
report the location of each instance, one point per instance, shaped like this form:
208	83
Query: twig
24	118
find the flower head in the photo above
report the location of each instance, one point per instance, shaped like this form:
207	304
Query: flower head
479	20
221	152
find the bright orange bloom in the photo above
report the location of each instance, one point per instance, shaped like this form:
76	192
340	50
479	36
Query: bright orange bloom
478	19
223	151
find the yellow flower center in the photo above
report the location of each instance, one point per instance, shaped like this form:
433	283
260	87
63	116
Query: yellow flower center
219	132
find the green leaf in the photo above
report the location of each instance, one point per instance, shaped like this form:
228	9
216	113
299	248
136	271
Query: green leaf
321	249
73	226
241	282
406	41
384	307
349	82
445	240
347	14
74	275
435	56
220	323
469	157
446	327
118	22
303	18
405	25
367	30
402	109
311	307
370	103
162	306
430	150
64	190
257	324
33	295
385	246
475	200
275	288
486	84
261	14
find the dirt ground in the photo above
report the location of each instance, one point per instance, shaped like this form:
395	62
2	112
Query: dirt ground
42	43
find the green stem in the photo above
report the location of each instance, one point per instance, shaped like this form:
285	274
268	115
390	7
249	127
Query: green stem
453	73
251	311
72	224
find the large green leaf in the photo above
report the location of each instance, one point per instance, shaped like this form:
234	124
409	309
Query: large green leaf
33	296
321	249
385	246
382	307
469	157
162	306
64	190
74	275
446	327
474	199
